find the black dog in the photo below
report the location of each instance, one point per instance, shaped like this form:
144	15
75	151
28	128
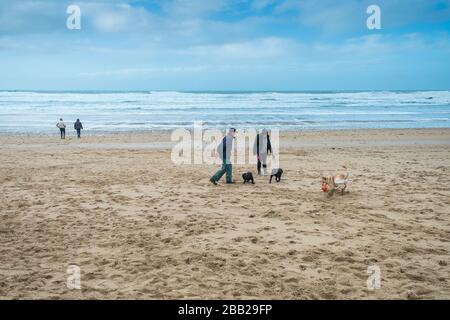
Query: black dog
248	177
277	173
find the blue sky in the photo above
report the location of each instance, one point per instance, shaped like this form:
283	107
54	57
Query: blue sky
225	45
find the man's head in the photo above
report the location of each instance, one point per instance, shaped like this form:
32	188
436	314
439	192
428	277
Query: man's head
60	119
232	132
78	120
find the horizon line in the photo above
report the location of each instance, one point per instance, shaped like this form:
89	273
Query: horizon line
219	91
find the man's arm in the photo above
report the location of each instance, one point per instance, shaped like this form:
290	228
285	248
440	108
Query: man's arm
219	150
269	145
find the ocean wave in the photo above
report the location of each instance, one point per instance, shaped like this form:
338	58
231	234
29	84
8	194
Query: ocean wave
37	111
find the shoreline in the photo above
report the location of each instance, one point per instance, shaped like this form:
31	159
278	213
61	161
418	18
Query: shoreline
161	140
168	131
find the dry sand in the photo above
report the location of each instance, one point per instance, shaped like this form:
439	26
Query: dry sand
140	227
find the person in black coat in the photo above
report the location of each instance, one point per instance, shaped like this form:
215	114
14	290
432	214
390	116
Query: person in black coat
261	148
78	126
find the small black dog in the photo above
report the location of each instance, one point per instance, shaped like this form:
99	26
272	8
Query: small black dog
277	173
248	177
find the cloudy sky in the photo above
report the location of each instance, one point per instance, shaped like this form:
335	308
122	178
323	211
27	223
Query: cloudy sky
224	45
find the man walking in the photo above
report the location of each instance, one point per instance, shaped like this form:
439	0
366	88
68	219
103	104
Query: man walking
62	128
224	151
78	126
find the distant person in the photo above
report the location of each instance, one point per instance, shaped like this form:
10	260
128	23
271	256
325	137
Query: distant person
62	128
261	148
78	126
224	151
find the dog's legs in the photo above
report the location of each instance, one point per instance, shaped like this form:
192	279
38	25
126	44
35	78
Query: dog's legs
253	182
343	189
270	181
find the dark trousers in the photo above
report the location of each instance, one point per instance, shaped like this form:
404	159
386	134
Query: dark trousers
259	166
78	133
63	132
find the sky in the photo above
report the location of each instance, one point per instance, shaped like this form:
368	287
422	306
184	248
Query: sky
225	45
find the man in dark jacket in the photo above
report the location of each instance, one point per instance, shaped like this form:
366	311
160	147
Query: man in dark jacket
224	151
78	126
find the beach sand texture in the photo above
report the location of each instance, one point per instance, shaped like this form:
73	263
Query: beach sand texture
140	227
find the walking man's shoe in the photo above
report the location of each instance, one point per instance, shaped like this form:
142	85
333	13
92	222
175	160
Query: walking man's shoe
213	181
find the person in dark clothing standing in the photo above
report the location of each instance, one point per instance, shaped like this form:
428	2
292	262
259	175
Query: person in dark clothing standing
78	126
62	128
224	151
261	148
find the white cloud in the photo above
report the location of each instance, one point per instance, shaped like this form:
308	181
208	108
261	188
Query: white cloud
203	38
263	48
261	4
119	18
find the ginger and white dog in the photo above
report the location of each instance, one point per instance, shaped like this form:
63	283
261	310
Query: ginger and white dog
335	182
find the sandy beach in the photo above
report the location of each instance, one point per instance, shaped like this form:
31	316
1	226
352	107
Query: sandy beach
140	227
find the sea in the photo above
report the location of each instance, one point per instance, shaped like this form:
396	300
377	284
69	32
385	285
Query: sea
106	112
